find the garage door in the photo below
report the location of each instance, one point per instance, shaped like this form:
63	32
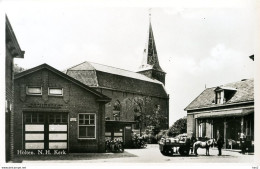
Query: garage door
45	131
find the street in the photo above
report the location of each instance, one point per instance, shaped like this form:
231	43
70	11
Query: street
151	154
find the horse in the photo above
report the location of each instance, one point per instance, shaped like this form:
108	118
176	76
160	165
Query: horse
203	144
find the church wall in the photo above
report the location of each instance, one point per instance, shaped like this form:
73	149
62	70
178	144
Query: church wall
128	104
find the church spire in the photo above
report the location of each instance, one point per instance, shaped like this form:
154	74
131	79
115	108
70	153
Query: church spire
150	58
150	65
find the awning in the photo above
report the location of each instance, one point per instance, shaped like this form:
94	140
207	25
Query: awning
226	113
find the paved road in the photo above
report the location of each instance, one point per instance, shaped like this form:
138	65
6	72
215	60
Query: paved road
151	154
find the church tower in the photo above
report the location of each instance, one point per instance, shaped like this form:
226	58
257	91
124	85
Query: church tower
150	65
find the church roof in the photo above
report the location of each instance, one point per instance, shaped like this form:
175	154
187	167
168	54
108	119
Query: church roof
112	70
150	58
243	92
103	76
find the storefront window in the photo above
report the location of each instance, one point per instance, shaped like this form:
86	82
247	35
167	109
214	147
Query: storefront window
87	126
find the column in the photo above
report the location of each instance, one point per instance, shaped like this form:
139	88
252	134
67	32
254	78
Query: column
242	124
225	133
212	135
196	128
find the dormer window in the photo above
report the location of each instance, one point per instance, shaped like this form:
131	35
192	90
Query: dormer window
219	97
224	94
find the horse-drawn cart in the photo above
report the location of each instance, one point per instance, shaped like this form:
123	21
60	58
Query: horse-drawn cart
180	143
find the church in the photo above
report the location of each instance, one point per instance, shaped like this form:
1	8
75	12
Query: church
139	99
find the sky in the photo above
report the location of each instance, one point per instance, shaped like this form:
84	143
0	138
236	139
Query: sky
197	46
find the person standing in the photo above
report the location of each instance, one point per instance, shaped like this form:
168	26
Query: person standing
192	141
242	142
220	143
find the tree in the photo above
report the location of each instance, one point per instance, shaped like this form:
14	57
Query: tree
146	113
178	127
17	69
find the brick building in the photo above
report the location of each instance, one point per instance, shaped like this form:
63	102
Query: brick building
135	95
12	50
228	109
56	112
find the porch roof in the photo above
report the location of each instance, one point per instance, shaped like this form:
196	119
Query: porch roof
227	113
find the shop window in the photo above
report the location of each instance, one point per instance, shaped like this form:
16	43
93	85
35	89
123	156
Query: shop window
55	91
87	126
202	128
33	90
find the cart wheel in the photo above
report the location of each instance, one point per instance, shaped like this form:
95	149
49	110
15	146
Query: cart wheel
186	152
181	151
170	152
167	152
163	152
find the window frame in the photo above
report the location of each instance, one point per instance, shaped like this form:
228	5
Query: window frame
49	94
95	125
33	94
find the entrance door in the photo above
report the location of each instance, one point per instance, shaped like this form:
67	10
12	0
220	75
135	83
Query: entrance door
218	125
45	131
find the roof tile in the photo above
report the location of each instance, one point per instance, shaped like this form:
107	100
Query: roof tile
244	92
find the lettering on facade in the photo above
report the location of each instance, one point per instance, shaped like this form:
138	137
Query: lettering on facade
39	105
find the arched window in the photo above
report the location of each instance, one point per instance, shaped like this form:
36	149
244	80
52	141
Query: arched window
116	110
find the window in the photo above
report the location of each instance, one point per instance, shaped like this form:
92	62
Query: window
55	91
87	126
33	118
58	118
218	97
224	94
34	91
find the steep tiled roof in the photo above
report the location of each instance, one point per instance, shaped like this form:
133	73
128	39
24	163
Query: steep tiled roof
244	93
112	70
98	75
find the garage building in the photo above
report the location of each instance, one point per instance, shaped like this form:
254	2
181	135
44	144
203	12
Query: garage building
56	112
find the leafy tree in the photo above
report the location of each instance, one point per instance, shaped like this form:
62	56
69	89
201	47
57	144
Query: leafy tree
17	69
178	127
146	114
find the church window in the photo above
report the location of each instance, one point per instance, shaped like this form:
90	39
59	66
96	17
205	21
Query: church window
116	110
